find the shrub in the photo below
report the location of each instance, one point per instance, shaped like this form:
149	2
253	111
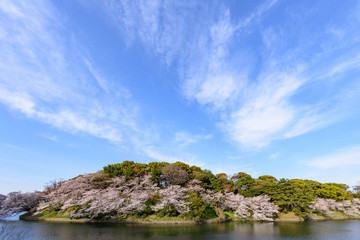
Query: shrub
197	206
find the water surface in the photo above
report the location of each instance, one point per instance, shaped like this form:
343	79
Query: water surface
326	230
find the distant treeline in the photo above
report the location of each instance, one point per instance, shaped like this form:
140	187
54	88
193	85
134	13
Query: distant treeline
289	194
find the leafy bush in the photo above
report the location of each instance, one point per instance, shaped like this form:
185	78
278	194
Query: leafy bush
199	209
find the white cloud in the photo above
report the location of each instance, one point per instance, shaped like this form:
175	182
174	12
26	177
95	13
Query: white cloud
53	138
274	155
150	152
161	26
342	66
44	76
256	15
263	109
216	90
308	122
18	101
47	75
253	107
346	157
163	29
256	127
212	82
157	155
206	74
15	147
102	82
184	138
266	111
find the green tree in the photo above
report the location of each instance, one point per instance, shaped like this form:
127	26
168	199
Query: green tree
333	191
139	169
226	184
292	195
120	169
243	183
199	209
155	169
268	178
209	181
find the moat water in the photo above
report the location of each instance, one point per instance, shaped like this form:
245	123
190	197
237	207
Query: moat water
324	230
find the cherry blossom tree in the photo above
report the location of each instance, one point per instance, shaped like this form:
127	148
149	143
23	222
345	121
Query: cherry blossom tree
173	196
2	199
17	202
330	206
119	197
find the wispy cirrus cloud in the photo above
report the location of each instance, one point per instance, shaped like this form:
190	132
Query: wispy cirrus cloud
161	26
340	165
45	76
252	89
254	108
162	156
207	77
185	138
48	75
346	157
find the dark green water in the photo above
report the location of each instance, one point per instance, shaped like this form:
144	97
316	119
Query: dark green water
326	230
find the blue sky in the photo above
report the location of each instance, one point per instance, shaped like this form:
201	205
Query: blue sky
265	87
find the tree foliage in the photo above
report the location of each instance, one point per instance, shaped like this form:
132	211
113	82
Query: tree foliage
242	183
199	209
292	195
333	191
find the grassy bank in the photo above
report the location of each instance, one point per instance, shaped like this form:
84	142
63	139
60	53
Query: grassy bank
150	220
153	219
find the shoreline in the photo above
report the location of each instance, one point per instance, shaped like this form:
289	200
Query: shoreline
125	221
182	222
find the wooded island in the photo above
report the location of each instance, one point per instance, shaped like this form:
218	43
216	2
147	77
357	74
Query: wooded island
161	191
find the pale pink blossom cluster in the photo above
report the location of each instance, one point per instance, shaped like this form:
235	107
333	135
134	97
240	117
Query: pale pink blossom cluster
119	197
172	196
17	202
330	206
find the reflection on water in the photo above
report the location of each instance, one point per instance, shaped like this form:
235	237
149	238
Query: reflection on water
257	229
345	229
